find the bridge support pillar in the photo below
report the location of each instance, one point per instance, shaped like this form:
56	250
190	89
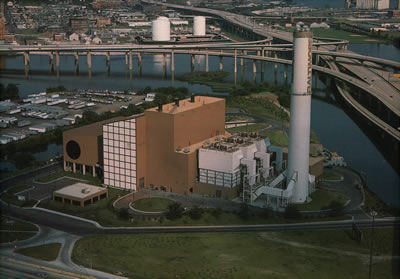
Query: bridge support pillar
316	80
276	64
126	59
254	66
57	61
317	59
263	52
76	56
221	66
164	60
192	61
130	60
285	73
258	52
198	62
139	56
235	61
26	58
242	59
51	61
328	81
108	59
172	61
89	60
206	60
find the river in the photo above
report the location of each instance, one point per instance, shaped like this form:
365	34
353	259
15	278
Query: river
337	131
334	4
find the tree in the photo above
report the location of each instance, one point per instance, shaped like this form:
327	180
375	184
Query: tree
123	213
217	212
336	209
292	212
195	213
175	211
9	92
23	160
244	211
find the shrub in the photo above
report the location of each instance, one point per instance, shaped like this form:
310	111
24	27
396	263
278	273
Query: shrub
195	213
244	211
216	212
292	212
123	213
175	211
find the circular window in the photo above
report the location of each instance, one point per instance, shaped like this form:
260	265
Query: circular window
73	150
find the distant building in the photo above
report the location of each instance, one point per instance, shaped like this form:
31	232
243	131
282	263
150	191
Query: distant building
100	4
73	37
79	24
367	4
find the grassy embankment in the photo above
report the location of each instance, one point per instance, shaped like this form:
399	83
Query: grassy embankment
152	204
321	200
103	213
234	37
232	255
46	252
15	230
353	38
331	175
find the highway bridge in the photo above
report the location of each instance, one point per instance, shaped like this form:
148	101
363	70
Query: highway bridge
255	51
360	71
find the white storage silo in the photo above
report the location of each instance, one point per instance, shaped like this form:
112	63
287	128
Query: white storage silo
161	29
199	26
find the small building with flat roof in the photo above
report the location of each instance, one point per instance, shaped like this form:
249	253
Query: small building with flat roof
80	194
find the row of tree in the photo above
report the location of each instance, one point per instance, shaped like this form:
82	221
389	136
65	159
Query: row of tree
9	92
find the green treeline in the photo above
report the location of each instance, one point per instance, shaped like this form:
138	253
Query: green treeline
9	92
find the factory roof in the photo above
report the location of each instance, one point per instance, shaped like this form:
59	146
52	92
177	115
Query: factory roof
232	143
186	104
95	129
224	143
80	190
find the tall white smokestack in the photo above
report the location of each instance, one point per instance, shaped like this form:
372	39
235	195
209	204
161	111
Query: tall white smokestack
300	114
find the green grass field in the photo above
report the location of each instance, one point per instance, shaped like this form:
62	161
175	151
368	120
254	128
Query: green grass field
321	199
8	234
223	255
152	204
249	128
46	252
331	175
384	240
229	118
276	137
344	35
257	106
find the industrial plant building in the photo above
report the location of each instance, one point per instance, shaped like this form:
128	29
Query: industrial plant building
183	147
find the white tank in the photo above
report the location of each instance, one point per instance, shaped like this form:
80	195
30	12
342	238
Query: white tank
161	29
300	114
199	26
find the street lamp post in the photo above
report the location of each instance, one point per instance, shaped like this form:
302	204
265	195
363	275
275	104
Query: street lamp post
373	214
